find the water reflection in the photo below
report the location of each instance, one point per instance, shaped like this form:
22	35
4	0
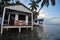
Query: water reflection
13	34
53	31
42	32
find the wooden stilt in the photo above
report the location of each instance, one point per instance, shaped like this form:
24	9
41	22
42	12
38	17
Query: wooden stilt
7	29
19	29
32	28
1	30
3	20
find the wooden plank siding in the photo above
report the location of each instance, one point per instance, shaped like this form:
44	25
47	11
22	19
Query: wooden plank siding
18	22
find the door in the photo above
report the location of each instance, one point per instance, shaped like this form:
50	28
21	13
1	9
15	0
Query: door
12	19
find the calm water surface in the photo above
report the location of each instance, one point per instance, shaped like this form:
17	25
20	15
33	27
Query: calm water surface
43	32
52	31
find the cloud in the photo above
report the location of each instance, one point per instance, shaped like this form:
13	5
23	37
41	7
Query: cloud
55	20
42	15
22	1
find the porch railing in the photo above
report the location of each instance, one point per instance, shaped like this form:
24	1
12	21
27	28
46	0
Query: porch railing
16	23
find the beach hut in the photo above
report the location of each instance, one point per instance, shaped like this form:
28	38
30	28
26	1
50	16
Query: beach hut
16	16
38	21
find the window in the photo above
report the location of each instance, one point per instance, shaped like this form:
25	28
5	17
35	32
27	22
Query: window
35	21
21	17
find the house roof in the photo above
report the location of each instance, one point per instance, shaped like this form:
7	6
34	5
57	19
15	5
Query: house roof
19	7
38	19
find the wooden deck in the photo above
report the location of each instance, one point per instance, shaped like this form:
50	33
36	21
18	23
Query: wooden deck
17	26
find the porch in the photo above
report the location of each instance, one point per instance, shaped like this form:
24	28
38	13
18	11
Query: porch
20	27
17	18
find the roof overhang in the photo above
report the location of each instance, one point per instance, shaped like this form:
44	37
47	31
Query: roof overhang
38	19
18	8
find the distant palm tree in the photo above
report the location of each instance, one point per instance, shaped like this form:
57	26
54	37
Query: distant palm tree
46	3
4	1
33	5
33	8
2	4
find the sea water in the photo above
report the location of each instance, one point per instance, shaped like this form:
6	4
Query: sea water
52	31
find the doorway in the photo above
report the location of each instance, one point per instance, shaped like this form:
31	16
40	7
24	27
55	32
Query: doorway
12	19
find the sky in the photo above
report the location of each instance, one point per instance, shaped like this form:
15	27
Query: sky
51	11
48	13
